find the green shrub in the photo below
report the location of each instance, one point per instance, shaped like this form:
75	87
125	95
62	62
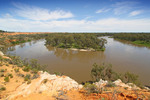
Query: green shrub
97	72
131	78
90	88
2	70
26	69
58	73
7	64
34	71
20	75
10	75
1	59
16	70
6	79
106	72
27	77
2	89
34	76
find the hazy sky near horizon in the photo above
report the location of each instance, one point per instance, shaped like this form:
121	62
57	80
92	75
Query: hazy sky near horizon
75	15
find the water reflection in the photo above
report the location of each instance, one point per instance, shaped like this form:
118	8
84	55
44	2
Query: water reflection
81	56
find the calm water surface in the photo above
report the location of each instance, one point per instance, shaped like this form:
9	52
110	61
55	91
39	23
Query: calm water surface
78	64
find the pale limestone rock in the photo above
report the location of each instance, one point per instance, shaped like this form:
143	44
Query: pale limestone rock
121	84
52	86
133	86
128	85
101	83
1	53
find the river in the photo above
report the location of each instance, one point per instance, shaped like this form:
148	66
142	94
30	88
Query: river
78	64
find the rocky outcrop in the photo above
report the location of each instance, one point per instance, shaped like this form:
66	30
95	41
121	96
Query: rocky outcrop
130	86
47	83
118	83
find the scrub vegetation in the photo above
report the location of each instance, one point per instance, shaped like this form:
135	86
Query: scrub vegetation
136	38
106	72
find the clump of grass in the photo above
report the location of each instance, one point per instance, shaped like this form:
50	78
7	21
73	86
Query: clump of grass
10	75
91	88
26	69
1	74
29	81
20	75
58	73
27	77
2	88
6	79
2	70
7	65
34	71
35	76
16	70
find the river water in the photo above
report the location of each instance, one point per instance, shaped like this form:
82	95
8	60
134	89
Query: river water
77	64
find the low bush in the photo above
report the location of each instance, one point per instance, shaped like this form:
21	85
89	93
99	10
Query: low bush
106	72
20	75
2	70
34	76
10	75
16	70
26	69
27	77
6	79
29	81
91	88
2	89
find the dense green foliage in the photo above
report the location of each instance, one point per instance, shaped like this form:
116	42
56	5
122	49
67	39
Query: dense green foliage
106	72
136	38
76	40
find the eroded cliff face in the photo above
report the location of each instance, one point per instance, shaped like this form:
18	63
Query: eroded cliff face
47	84
52	87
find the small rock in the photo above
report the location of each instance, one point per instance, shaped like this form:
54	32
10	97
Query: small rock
101	83
1	53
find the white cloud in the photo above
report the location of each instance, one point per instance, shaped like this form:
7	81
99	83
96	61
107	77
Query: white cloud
123	7
7	15
134	13
35	13
102	10
102	25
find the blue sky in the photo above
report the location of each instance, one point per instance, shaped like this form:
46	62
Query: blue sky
75	15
